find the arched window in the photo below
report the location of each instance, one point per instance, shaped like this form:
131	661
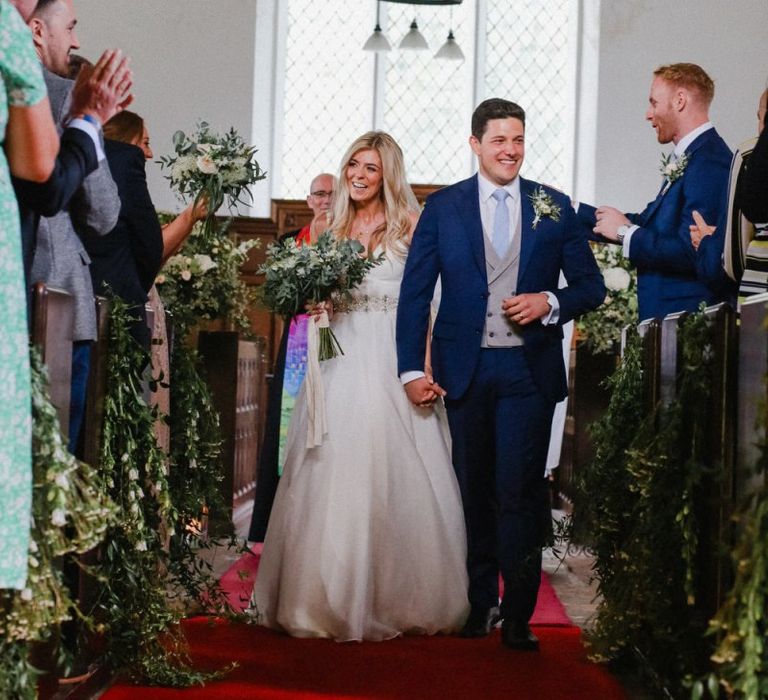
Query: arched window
332	91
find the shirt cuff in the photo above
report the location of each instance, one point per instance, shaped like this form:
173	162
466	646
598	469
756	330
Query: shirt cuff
554	313
627	239
92	131
406	377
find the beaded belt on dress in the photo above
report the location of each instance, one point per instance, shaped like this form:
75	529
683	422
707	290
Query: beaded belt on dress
366	302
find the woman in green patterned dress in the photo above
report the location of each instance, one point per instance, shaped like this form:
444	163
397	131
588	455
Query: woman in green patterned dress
29	147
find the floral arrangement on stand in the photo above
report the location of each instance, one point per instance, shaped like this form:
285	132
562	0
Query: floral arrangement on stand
601	329
202	281
71	514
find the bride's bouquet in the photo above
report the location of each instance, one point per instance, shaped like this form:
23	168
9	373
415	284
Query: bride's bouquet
216	167
297	275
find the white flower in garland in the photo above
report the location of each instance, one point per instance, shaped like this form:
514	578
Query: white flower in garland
543	206
59	517
616	279
673	169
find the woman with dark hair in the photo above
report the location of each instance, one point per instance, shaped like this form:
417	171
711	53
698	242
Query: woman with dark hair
128	259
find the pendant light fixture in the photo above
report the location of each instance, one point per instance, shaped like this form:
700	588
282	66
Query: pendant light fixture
414	39
377	41
450	50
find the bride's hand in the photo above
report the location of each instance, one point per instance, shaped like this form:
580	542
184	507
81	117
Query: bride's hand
423	392
316	309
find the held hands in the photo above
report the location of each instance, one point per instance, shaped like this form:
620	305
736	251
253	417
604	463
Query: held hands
424	391
608	221
105	89
526	308
699	229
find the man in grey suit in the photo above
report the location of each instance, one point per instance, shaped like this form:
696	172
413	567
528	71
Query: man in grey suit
60	260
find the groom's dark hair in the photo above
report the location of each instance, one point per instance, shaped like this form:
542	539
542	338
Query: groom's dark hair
494	108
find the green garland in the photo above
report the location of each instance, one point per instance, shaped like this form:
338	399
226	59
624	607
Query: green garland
143	639
70	515
640	500
741	624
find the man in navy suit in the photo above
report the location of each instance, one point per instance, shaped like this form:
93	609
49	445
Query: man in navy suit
497	242
658	241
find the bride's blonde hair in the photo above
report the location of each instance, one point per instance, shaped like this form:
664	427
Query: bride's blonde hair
396	194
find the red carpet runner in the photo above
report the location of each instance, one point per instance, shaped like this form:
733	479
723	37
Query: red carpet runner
277	667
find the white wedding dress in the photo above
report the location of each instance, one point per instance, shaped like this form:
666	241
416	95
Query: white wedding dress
366	539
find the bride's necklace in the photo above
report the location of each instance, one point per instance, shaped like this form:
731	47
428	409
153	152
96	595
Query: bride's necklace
365	229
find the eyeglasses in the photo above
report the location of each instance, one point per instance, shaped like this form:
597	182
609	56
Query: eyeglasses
322	193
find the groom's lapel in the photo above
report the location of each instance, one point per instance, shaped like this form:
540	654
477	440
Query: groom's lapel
527	232
468	204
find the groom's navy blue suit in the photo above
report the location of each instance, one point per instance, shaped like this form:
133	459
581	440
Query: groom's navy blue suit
499	400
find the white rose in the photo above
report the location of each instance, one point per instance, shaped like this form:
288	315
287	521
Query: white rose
58	517
141	546
205	262
62	481
26	595
186	275
133	474
206	165
617	279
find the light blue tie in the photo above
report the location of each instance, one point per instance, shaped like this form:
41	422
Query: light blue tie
500	238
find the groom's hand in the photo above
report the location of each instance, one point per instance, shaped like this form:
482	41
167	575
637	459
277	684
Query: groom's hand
526	308
423	392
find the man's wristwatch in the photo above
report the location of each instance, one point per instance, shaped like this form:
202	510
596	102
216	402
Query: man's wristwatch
622	232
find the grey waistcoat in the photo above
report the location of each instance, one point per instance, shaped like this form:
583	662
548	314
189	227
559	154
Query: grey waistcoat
499	332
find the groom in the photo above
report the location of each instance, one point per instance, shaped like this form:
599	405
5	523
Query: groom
497	242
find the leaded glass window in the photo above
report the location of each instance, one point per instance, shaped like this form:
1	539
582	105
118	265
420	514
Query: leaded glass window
333	91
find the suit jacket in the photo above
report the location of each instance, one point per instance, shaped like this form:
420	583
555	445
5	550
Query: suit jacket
75	160
752	196
722	256
448	242
60	259
661	248
128	259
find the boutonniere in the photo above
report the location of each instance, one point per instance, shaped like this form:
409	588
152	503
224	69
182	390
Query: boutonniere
543	206
673	169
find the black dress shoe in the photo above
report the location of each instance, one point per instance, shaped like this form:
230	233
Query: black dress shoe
516	634
480	622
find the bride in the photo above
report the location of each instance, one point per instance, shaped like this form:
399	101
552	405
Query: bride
366	539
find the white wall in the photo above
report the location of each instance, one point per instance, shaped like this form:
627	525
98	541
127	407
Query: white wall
728	39
192	59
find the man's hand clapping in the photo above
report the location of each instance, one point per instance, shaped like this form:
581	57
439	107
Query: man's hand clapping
105	89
